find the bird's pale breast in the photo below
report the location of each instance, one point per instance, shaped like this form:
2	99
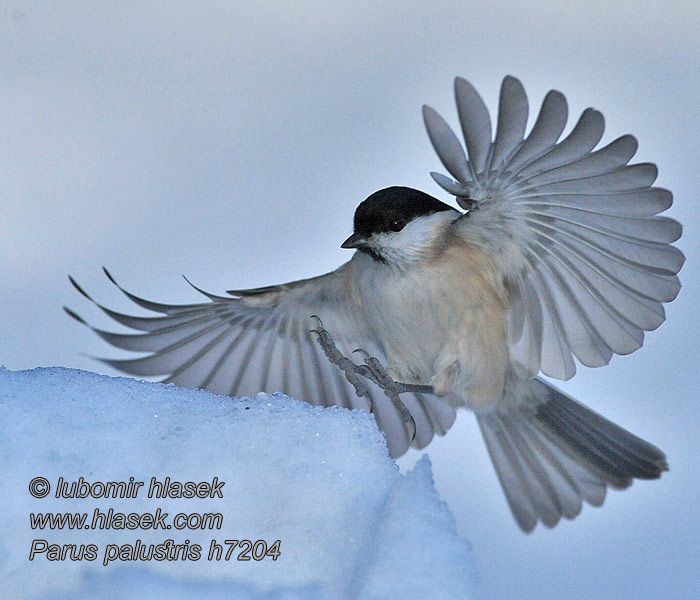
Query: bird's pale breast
444	324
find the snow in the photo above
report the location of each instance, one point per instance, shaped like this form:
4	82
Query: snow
318	479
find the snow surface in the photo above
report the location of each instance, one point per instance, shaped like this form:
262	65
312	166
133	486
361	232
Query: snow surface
318	479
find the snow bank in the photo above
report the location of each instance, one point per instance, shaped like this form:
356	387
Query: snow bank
319	480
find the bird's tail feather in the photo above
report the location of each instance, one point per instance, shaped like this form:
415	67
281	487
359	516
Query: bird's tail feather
551	452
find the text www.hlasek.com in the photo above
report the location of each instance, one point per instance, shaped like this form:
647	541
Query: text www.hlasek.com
116	520
111	519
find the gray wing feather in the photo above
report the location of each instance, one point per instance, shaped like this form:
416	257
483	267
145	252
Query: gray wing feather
476	123
574	230
446	144
512	120
260	340
545	132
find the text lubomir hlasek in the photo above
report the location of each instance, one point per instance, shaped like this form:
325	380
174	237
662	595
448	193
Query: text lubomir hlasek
130	489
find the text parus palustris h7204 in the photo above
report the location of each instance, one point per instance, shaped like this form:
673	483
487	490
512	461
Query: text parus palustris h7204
560	255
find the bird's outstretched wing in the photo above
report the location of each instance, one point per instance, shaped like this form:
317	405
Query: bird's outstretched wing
260	340
573	230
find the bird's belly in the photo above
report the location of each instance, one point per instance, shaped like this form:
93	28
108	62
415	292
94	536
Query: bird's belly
448	331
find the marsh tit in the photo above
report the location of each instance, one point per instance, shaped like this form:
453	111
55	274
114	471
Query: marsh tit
560	255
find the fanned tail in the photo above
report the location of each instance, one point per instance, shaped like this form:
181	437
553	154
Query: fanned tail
551	453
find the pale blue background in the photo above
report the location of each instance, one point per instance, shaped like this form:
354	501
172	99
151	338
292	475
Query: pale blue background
232	142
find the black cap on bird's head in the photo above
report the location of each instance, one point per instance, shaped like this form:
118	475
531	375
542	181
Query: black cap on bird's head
390	209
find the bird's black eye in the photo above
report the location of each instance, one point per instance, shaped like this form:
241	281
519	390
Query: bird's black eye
398	225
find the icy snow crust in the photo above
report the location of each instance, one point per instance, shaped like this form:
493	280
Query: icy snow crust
317	479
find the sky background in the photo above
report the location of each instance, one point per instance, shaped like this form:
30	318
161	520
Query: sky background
232	142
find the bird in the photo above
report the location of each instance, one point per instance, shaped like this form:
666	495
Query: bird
554	255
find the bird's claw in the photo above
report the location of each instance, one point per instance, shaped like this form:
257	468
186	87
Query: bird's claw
372	369
334	355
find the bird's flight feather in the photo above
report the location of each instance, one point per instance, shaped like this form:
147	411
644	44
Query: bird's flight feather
574	229
261	340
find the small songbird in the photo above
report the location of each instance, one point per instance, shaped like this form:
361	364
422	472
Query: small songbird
560	255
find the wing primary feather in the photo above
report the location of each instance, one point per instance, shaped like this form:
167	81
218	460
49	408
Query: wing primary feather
224	356
617	324
546	131
77	317
646	282
157	363
286	352
154	306
142	323
567	369
532	331
516	311
581	140
212	297
156	324
476	124
447	146
608	159
566	263
304	376
154	340
326	398
668	257
655	233
600	349
453	187
441	414
275	289
642	302
189	363
649	286
81	290
664	286
623	179
632	203
512	120
267	355
250	350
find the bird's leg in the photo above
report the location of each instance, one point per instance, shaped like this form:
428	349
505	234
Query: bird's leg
334	355
373	370
376	372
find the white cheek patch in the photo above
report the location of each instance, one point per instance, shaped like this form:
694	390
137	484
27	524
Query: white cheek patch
416	240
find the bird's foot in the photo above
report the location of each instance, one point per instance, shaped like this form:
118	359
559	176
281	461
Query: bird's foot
373	370
349	368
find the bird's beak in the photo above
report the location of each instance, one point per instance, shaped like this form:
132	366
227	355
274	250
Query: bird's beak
354	241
